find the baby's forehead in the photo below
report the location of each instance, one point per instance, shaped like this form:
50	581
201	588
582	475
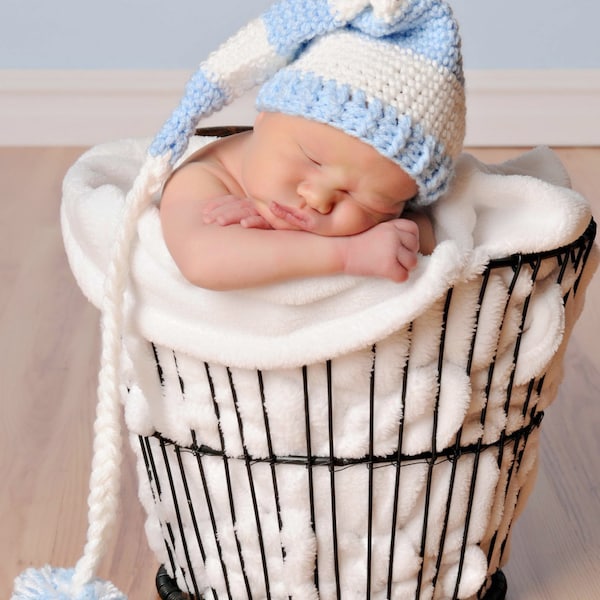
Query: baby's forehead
311	130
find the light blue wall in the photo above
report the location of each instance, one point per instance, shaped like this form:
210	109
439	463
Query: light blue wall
177	34
529	34
117	34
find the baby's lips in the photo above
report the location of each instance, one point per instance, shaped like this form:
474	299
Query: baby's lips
291	214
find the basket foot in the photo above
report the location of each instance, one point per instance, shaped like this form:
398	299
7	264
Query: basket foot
168	590
498	588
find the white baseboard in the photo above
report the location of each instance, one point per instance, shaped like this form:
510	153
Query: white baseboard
83	108
533	107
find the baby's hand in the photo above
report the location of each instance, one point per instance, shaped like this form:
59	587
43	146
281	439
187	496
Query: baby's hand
387	250
231	210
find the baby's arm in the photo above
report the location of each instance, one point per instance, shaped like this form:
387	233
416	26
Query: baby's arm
231	257
387	250
229	209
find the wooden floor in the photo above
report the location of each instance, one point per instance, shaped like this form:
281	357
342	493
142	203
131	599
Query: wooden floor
47	392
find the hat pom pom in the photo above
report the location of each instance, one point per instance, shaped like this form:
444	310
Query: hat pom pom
57	584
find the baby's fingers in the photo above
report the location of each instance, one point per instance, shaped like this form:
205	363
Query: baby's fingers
407	258
219	201
408	233
227	211
222	218
255	222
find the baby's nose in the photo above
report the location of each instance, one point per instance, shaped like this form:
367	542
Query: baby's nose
318	197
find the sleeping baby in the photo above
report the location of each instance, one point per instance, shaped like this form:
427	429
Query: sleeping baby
355	137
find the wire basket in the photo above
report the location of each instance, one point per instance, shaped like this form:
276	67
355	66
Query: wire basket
237	524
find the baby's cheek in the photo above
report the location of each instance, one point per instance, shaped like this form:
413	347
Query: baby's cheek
349	220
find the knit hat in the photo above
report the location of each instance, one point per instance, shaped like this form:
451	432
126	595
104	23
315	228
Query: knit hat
386	71
395	85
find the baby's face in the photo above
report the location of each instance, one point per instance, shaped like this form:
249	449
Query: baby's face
309	176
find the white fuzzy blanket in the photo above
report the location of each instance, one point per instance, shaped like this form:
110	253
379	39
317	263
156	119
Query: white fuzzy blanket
491	212
487	214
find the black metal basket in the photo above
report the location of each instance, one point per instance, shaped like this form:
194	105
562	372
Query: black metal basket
170	467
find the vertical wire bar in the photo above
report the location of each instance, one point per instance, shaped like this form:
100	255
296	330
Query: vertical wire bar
171	481
581	258
151	472
309	458
582	247
443	533
516	443
516	273
468	369
516	350
171	550
184	545
430	465
228	481
208	496
477	452
160	373
191	509
506	407
272	459
179	378
184	479
517	456
247	462
432	461
566	261
457	445
587	249
469	510
370	467
476	456
398	471
211	513
159	369
336	564
482	292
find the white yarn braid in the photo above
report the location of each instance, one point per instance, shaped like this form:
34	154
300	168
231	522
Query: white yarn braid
105	472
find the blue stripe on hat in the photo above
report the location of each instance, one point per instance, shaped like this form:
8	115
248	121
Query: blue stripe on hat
292	23
201	98
435	37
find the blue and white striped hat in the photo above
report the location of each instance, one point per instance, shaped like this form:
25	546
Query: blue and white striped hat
388	72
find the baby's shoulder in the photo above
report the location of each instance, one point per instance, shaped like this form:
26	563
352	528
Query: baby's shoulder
214	150
217	162
226	152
